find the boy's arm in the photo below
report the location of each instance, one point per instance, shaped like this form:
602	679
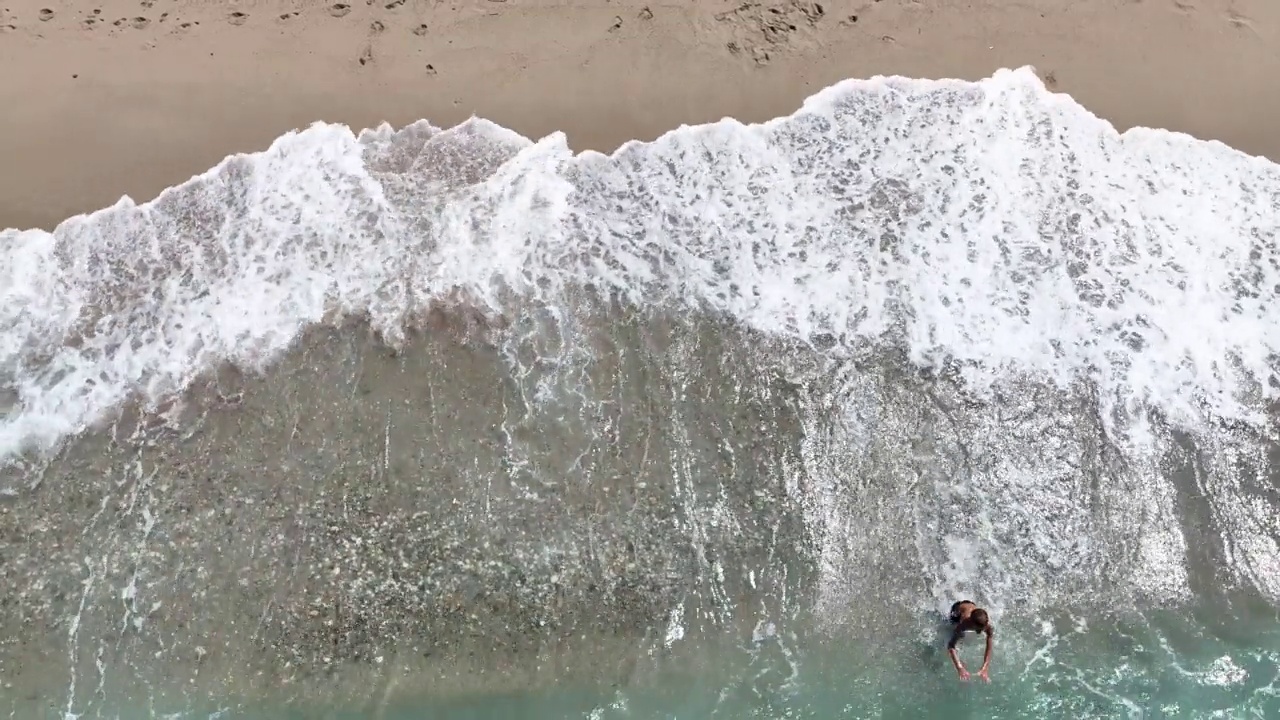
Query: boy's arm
955	657
986	656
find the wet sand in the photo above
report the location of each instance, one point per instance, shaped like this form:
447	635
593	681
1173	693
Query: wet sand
131	96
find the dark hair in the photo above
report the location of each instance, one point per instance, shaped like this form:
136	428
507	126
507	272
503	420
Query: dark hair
979	617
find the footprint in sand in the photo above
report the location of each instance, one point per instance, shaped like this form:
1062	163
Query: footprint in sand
376	27
139	23
420	31
366	55
393	4
46	15
339	10
1238	21
148	4
238	18
288	16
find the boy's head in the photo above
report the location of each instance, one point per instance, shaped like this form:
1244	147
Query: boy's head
979	618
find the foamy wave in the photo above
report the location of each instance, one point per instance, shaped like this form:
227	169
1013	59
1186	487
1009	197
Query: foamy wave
984	227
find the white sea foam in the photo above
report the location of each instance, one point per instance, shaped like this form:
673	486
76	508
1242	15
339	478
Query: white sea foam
990	224
991	228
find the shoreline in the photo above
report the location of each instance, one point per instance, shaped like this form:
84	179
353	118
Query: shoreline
120	103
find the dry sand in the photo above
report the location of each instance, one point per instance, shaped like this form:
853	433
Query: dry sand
119	97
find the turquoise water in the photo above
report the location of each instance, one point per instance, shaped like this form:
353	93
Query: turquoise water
1165	665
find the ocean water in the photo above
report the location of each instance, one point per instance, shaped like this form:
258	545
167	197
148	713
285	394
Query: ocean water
456	424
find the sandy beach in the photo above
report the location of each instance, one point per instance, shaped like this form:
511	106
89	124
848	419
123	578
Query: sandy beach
130	96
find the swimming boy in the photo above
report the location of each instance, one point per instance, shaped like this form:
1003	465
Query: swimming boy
965	615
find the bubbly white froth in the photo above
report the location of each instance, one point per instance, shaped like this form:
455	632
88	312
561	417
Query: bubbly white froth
991	224
988	229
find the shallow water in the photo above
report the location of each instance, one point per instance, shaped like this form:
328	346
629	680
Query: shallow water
1152	667
456	424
